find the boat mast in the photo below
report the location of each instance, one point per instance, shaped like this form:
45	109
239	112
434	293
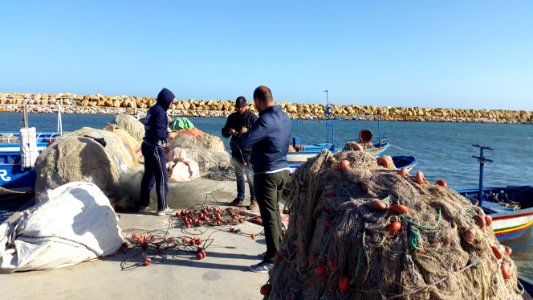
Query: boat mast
328	119
482	160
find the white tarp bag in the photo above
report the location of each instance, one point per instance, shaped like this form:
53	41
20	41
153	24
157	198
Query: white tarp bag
185	171
75	223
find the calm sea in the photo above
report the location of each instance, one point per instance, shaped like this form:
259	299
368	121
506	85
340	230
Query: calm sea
443	150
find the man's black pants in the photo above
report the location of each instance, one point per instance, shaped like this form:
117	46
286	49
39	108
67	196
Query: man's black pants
268	191
155	172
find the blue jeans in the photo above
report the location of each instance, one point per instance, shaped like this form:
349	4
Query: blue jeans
240	171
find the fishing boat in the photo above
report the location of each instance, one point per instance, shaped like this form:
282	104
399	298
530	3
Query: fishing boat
18	153
400	162
372	145
511	207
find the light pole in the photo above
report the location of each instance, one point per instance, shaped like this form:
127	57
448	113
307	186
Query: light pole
328	112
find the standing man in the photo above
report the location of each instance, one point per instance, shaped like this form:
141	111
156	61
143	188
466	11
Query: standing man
153	150
239	123
269	140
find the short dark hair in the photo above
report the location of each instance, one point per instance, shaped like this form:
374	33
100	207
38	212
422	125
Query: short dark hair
263	94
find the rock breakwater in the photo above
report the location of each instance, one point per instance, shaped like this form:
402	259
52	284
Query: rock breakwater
100	104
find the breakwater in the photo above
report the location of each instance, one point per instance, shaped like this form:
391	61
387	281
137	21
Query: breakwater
101	104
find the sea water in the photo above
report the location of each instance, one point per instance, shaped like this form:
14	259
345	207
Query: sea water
443	150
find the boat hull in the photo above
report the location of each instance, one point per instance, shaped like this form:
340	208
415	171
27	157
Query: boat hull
312	150
508	226
508	222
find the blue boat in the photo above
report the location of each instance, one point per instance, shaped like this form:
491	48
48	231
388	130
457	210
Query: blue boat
369	143
511	207
18	152
400	162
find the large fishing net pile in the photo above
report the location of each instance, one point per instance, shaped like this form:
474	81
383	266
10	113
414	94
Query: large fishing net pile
88	154
342	243
205	149
131	125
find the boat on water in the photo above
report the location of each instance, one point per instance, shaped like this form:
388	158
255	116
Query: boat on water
18	153
369	143
511	207
400	162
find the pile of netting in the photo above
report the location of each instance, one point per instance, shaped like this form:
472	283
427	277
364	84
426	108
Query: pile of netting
360	231
155	246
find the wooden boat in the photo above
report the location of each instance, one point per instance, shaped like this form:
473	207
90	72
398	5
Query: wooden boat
511	207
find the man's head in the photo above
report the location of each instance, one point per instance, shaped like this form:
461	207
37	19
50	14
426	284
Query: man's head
165	98
240	105
263	98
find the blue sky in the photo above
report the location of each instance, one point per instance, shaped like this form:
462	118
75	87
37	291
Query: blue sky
462	54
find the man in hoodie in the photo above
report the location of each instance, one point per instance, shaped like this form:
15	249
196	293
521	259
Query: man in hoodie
153	150
239	123
269	140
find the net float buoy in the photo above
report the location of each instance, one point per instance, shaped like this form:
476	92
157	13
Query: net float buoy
343	164
508	250
394	226
497	251
488	220
379	205
147	261
344	284
506	270
403	172
480	221
441	182
420	178
320	270
266	289
399	208
469	236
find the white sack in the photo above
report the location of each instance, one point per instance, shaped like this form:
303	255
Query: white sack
74	224
185	171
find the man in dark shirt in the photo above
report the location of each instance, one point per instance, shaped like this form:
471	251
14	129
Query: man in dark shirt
237	124
269	140
153	150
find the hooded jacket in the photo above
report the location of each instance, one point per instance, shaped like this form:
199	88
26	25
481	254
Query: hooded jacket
269	140
156	123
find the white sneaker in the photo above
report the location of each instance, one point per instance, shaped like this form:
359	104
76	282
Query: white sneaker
143	209
165	212
262	267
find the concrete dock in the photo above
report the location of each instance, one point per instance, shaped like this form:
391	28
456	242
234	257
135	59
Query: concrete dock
223	274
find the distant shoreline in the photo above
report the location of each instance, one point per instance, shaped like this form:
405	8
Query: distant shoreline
100	104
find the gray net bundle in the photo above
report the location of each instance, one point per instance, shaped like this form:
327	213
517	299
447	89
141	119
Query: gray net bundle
360	231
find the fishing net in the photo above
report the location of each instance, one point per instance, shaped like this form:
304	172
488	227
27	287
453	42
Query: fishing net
132	145
419	241
88	154
129	123
205	149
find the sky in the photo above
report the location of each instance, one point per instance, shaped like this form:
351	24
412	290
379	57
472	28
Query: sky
453	54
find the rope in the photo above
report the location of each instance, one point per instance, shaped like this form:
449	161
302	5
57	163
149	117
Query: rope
432	284
414	238
426	227
399	148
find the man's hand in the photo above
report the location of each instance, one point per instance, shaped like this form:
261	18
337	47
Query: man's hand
244	130
232	131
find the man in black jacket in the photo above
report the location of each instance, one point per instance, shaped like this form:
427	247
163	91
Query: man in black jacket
153	150
237	124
